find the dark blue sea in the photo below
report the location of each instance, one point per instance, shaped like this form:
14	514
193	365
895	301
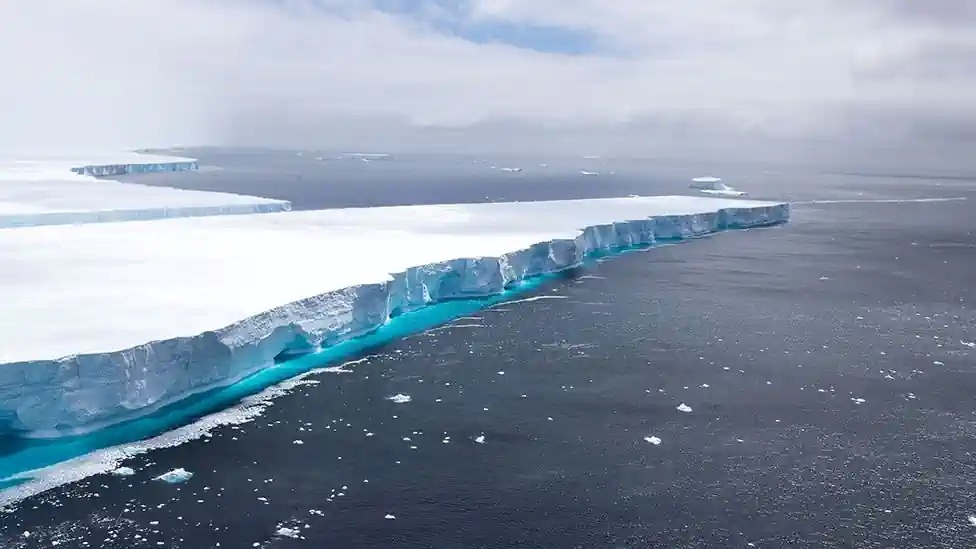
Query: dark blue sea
808	385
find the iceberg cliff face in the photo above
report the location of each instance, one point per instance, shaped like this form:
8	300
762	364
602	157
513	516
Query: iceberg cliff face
50	397
103	170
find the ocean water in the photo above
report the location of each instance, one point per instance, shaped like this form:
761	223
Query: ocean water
826	368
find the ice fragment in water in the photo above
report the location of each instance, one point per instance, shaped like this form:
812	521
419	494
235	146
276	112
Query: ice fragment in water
288	532
400	398
124	472
653	440
480	439
389	517
684	408
176	476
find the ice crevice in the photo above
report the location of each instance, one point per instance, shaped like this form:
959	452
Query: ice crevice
80	393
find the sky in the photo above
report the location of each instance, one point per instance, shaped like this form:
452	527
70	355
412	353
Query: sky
881	82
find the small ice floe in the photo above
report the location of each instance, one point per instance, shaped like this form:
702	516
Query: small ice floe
858	400
390	516
176	476
653	440
938	363
480	439
512	170
123	472
400	398
501	373
684	408
298	441
286	532
970	344
584	172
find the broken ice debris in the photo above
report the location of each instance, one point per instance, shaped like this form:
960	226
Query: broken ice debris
400	398
288	532
684	408
653	440
176	476
123	472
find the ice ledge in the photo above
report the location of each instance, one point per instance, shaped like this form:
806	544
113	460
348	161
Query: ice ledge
259	205
63	190
88	391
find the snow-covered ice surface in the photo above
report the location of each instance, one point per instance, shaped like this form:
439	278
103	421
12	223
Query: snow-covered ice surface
62	190
104	322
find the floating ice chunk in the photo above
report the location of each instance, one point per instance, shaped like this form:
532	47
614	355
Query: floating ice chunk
124	472
653	440
972	520
970	344
584	172
286	532
400	398
684	408
858	400
176	476
512	170
389	516
298	441
714	186
480	439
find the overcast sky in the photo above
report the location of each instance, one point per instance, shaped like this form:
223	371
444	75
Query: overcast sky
813	79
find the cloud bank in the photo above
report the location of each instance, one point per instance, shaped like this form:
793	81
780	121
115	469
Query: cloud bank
820	79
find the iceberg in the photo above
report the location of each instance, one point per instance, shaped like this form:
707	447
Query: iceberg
63	190
714	186
176	476
107	322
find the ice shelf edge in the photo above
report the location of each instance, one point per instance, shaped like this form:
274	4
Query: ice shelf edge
102	170
46	219
81	393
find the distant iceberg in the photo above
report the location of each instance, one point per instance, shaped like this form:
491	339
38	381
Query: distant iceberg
713	186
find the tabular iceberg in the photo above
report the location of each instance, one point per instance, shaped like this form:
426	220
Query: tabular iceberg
107	322
47	192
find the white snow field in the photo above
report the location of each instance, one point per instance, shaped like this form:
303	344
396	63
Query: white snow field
51	191
104	322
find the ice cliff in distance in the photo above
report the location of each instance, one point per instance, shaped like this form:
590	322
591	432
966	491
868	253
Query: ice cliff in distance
83	392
